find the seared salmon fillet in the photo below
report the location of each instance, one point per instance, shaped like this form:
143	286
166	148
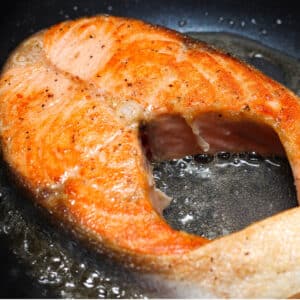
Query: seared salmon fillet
72	101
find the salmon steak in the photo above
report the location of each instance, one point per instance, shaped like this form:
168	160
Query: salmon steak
76	102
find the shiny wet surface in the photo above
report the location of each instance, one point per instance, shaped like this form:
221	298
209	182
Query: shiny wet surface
214	196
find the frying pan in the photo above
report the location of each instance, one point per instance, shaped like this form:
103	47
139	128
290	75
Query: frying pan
272	25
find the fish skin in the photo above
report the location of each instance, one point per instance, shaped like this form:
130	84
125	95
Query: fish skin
69	131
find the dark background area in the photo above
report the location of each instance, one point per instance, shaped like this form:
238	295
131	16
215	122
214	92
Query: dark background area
255	19
258	20
12	275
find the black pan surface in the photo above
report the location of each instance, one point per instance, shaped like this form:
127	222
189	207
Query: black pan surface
275	23
269	31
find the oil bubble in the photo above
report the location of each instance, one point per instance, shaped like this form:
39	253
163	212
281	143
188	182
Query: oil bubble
116	290
182	23
186	219
263	31
254	156
223	155
182	165
203	158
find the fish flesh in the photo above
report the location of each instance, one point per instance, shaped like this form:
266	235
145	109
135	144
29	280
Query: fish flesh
73	100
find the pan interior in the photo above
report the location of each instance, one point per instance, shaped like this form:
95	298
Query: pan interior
239	180
216	195
241	186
